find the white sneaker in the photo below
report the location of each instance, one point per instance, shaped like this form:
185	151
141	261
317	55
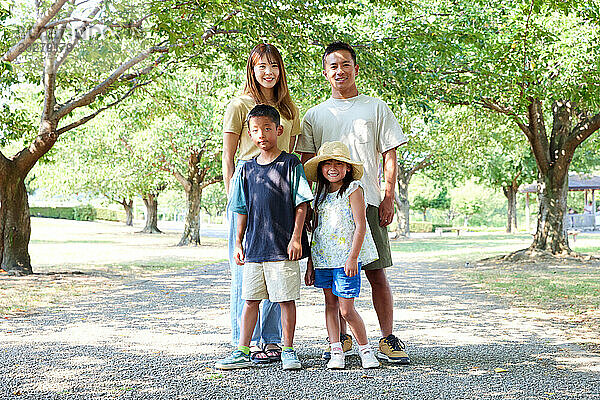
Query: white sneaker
337	360
368	359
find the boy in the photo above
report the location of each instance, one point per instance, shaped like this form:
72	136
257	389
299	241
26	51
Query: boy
270	199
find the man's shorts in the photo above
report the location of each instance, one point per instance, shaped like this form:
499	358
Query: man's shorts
274	280
336	279
381	238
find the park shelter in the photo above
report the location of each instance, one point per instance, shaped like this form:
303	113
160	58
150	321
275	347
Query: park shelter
589	184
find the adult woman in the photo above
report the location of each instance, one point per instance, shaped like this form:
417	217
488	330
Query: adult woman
265	84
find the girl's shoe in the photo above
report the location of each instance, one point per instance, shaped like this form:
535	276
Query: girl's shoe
289	360
337	360
368	359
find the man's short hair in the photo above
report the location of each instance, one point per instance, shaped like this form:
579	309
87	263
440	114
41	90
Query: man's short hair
336	46
264	110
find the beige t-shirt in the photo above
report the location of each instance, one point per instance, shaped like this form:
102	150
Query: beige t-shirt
365	124
234	121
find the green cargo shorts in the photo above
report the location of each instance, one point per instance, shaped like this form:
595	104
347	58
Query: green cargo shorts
381	238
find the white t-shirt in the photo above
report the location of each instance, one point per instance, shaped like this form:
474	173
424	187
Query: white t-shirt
333	235
365	124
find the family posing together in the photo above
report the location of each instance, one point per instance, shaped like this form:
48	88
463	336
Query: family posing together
341	142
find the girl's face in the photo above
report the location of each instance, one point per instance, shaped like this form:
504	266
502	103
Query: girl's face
334	171
266	72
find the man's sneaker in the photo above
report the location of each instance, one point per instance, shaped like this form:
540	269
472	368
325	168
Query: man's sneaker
236	360
346	341
289	360
337	360
368	359
392	349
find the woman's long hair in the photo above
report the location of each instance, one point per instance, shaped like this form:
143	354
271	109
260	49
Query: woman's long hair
283	101
323	188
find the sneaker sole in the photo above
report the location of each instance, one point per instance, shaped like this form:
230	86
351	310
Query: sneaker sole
292	366
228	367
401	360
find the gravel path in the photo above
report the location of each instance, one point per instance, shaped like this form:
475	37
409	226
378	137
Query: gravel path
158	338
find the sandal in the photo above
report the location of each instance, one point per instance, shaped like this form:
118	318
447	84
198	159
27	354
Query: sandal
273	352
259	356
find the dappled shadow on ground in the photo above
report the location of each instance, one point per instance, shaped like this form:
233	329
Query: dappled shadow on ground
159	337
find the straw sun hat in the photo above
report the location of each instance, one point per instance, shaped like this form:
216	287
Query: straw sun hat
332	151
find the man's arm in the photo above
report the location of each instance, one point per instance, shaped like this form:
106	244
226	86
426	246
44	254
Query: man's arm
295	247
230	145
238	252
386	208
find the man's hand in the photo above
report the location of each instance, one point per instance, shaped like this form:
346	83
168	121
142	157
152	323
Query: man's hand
294	249
309	276
351	267
386	211
238	255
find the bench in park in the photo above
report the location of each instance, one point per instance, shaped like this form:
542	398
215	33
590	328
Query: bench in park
574	234
440	230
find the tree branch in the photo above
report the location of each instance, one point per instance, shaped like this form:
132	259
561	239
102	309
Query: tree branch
76	38
210	182
34	33
90	96
426	162
583	130
91	116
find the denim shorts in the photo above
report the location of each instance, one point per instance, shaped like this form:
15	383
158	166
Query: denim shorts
336	279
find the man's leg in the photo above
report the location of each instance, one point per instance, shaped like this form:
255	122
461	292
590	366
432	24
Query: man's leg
383	301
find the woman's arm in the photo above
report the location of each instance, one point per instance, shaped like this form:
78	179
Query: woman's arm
230	145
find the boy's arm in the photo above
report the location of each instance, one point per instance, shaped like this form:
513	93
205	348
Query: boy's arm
238	252
295	247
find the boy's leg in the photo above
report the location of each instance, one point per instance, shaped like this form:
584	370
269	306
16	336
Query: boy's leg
288	322
249	318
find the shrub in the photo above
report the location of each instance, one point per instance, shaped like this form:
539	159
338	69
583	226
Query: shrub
84	213
106	214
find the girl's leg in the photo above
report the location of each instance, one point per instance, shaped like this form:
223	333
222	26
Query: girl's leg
332	316
249	318
288	321
353	318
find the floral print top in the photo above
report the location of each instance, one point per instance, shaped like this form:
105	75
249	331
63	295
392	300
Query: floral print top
332	238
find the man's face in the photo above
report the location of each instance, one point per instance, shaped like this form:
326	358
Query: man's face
340	71
264	132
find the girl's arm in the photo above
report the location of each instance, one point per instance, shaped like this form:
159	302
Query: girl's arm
309	276
230	145
359	213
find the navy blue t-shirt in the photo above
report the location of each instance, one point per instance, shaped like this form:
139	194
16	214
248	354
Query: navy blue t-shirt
269	195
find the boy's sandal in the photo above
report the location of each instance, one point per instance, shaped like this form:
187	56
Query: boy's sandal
259	356
273	351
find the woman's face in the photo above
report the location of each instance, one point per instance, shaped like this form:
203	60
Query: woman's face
266	73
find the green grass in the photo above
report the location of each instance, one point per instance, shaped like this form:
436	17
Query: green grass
574	288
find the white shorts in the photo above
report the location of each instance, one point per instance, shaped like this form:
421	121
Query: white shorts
274	280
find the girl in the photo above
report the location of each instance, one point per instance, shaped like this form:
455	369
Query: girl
341	243
265	84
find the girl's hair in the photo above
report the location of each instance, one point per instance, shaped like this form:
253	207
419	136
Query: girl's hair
323	188
283	101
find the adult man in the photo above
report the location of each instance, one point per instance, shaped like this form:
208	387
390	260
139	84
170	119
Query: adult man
370	130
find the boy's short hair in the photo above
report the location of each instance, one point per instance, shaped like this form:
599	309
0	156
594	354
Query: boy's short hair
336	46
264	110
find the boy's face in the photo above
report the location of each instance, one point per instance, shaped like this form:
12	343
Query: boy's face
340	70
264	132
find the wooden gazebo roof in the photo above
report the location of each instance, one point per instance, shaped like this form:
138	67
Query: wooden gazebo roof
577	182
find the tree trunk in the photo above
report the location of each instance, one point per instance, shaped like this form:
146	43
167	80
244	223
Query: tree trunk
151	214
403	216
191	230
15	224
551	229
511	195
128	206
